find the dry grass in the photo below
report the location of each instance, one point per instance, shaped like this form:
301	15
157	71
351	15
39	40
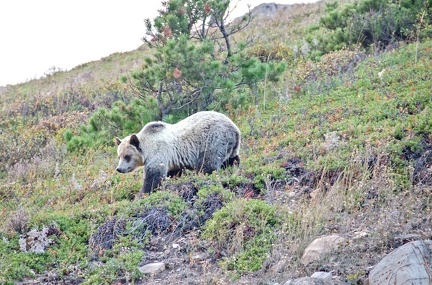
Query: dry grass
362	205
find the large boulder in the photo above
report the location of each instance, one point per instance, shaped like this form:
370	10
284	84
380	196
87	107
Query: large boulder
268	9
408	264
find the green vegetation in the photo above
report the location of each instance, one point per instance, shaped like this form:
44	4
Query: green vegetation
172	203
339	142
372	24
195	62
245	229
122	260
105	124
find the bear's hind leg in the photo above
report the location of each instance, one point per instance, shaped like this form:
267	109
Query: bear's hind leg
208	167
232	161
175	173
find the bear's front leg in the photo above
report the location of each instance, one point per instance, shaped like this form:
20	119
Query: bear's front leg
153	177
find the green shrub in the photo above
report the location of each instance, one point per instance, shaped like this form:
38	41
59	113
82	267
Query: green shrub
15	265
174	204
190	69
234	180
271	51
245	229
372	23
122	265
263	174
105	124
70	247
214	189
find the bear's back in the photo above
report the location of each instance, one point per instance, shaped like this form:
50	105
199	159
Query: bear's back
154	127
157	133
201	119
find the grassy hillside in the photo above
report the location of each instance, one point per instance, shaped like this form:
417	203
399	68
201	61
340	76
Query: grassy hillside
341	146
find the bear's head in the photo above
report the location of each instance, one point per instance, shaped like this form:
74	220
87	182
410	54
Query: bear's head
130	154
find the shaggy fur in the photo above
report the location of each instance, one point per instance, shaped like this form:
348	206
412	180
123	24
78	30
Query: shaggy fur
204	142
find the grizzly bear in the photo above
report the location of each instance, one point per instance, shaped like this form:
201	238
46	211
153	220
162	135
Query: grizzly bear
204	142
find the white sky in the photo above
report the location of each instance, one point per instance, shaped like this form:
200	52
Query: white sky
38	35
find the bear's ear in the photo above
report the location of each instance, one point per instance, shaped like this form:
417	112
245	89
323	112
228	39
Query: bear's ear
117	141
135	142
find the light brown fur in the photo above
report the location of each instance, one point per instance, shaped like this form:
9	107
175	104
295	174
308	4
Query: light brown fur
205	141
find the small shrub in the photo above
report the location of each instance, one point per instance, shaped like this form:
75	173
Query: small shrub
121	265
371	23
210	199
105	124
271	51
243	232
106	235
331	64
214	189
174	204
234	180
264	173
68	245
18	221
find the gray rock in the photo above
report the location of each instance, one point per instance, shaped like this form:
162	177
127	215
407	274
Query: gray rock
199	257
408	264
331	140
36	241
152	268
319	247
268	10
322	275
360	236
313	281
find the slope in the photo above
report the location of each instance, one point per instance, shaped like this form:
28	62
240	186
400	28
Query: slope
337	146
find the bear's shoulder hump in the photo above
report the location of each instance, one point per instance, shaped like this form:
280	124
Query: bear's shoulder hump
154	127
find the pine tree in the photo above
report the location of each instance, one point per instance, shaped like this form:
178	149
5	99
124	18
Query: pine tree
194	59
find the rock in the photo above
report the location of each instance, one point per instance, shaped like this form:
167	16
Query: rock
313	281
407	238
331	140
306	281
318	278
270	10
320	246
408	264
266	10
37	241
279	267
360	235
322	275
199	257
152	268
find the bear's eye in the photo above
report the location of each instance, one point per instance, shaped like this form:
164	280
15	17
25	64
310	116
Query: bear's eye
127	158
